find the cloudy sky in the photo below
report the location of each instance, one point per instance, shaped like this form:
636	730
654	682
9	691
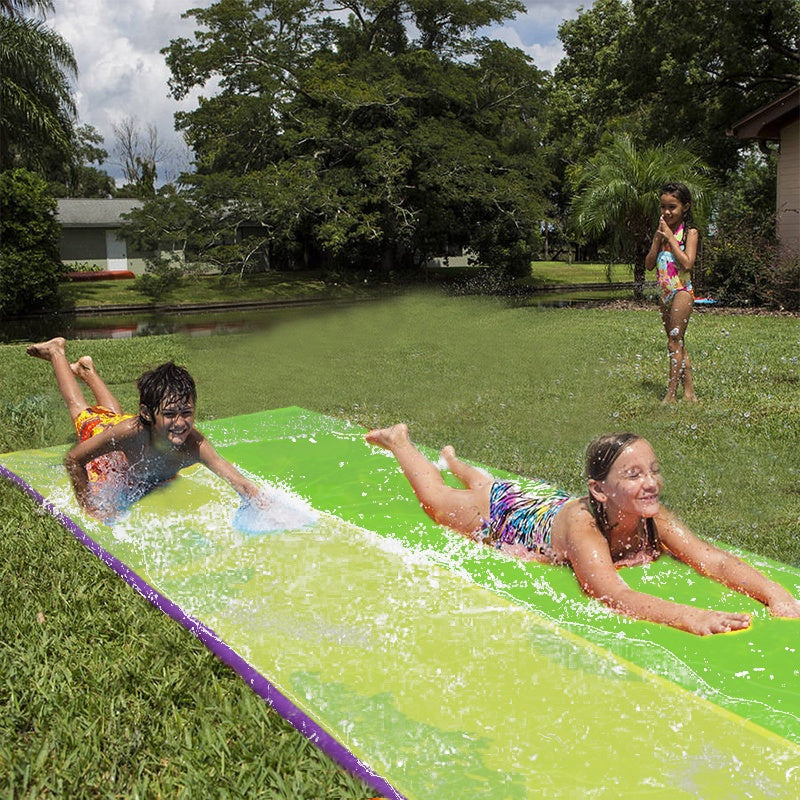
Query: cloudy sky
122	74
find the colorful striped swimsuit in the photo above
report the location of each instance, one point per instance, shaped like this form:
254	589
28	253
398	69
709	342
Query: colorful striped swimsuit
522	512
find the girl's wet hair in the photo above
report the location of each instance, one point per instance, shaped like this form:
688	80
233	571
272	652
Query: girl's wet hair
601	454
166	383
682	193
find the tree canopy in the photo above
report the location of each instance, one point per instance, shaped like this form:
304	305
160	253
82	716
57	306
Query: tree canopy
671	70
377	139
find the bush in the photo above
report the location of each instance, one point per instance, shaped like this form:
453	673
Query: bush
30	266
745	267
162	275
783	283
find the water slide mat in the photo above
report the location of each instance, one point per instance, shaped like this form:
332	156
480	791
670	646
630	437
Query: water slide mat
432	667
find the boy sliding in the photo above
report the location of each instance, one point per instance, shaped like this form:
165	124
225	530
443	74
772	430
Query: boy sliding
121	457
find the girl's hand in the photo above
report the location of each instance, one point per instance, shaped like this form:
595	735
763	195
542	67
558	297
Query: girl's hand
704	622
664	229
785	607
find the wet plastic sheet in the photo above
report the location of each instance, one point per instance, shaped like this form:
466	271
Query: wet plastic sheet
432	667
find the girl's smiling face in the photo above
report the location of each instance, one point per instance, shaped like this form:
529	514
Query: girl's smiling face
673	210
633	484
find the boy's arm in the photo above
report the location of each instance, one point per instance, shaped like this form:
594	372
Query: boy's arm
118	437
209	457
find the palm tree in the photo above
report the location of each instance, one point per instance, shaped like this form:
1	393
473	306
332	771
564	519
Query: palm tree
37	110
17	8
618	196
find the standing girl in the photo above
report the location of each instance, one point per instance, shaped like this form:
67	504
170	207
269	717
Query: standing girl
672	254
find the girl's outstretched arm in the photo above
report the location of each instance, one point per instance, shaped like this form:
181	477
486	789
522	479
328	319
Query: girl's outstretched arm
587	552
726	568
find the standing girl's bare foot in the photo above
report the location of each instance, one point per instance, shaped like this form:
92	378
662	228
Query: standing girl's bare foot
388	438
46	350
83	368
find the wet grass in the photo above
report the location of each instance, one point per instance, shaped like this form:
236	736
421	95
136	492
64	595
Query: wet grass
106	697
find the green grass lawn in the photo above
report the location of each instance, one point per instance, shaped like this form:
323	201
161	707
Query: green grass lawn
106	697
280	286
558	272
211	288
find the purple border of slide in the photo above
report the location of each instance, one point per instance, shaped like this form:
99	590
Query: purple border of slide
257	682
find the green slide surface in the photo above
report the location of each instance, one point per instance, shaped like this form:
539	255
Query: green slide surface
433	667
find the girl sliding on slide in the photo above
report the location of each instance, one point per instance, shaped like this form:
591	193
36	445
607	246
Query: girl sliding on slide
620	522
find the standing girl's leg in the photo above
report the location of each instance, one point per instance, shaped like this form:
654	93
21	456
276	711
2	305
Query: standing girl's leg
54	352
676	319
463	510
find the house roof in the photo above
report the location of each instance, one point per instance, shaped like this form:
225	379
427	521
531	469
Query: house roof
768	121
82	212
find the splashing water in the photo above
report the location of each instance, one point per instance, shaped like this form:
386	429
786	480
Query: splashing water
274	510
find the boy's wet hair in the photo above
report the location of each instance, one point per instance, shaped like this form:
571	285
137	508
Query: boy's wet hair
166	383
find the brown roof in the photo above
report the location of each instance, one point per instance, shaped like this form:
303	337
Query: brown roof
768	121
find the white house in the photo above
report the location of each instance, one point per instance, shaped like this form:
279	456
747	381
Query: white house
89	235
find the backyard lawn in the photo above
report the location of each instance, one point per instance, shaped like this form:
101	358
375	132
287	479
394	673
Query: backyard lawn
106	697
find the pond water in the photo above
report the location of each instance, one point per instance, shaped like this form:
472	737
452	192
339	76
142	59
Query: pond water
126	326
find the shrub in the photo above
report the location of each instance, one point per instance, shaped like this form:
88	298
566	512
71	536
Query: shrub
30	266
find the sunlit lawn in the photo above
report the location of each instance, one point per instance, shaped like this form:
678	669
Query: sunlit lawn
210	288
291	285
106	697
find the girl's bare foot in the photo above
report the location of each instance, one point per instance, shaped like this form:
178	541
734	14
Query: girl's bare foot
388	438
46	350
692	398
448	455
83	368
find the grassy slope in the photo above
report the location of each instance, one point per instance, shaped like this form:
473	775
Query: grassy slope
108	698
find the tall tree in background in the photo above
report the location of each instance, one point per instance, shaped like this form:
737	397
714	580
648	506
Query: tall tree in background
139	152
672	70
373	140
37	111
617	196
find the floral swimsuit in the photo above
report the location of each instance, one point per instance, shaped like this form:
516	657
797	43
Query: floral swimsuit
668	274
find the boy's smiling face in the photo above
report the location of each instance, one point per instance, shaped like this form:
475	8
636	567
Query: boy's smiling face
173	421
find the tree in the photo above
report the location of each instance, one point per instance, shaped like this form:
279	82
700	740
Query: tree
30	267
38	111
78	178
353	145
680	71
139	152
618	196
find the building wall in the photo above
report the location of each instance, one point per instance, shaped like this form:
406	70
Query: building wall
80	246
788	200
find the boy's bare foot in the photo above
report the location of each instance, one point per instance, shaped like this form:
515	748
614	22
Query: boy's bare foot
83	367
388	438
46	350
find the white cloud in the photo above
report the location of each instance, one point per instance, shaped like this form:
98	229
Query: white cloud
122	73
